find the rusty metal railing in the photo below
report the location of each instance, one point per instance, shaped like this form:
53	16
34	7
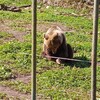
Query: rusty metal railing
34	30
94	50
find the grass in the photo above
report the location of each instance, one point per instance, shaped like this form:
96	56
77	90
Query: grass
23	16
16	2
63	80
5	73
54	15
4	37
17	55
71	81
3	96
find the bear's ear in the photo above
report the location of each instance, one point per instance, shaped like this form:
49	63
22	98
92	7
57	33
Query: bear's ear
46	36
62	32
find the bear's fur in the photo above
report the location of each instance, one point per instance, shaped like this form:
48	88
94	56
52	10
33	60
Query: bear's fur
55	45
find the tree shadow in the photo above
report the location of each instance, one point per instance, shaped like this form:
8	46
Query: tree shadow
79	62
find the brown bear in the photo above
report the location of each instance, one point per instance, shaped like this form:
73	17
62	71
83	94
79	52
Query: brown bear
55	45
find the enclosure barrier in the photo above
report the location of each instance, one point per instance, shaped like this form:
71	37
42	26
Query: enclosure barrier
34	30
94	49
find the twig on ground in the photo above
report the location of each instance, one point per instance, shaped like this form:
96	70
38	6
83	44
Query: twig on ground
9	8
12	8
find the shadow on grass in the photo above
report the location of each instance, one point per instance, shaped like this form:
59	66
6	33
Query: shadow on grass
80	62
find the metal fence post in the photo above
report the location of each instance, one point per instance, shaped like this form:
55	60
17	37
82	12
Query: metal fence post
94	50
34	30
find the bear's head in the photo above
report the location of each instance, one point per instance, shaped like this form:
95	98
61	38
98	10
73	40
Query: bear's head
53	38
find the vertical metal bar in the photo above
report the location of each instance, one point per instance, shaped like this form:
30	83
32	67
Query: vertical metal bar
94	50
34	30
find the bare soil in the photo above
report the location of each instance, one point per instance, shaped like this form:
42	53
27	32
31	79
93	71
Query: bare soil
44	26
18	35
15	94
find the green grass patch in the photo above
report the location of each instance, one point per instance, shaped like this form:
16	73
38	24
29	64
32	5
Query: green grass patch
3	96
16	2
23	16
16	55
5	73
5	37
64	83
52	14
